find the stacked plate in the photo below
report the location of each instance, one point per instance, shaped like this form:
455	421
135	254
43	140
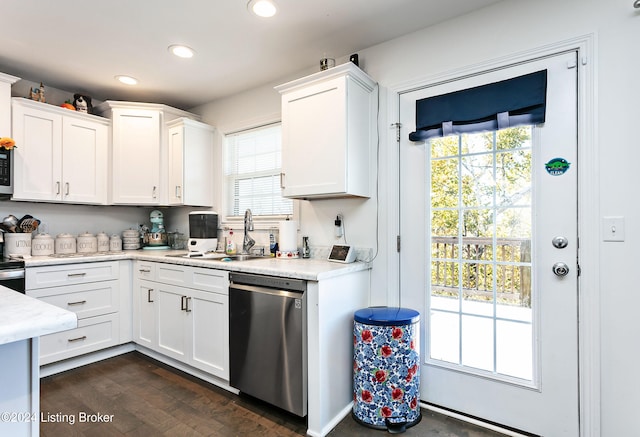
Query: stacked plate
130	239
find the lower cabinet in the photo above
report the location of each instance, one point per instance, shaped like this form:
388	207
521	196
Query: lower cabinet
94	292
183	322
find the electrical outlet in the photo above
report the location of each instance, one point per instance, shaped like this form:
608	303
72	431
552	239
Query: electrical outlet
338	223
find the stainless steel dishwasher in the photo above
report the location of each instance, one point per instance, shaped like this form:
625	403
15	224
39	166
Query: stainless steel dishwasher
268	339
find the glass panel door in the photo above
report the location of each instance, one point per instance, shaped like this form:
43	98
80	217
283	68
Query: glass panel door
480	284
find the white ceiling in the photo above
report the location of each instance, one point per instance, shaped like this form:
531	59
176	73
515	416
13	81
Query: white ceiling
80	45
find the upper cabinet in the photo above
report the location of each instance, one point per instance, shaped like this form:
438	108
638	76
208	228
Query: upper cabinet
327	134
62	156
141	161
190	163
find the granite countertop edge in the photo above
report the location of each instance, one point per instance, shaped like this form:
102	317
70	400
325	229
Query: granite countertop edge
308	269
23	317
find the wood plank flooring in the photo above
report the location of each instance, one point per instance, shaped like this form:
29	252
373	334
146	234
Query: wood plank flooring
133	395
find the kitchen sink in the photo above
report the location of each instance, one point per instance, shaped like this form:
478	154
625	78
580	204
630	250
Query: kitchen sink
240	257
219	256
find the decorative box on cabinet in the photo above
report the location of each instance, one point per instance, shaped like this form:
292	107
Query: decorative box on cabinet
190	162
327	134
62	156
182	312
140	150
93	292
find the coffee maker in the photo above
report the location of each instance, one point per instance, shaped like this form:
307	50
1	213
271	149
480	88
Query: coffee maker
203	231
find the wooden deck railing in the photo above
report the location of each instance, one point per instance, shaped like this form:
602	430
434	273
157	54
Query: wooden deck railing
508	264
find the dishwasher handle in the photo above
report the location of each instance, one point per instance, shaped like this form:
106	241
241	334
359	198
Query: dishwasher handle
265	290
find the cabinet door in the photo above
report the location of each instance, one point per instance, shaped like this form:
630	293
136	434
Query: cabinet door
209	332
314	139
190	163
172	321
84	161
37	159
136	156
144	314
176	165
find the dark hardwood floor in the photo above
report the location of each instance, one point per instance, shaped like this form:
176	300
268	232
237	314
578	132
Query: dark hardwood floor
132	395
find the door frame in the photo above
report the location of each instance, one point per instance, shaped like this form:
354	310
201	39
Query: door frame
588	205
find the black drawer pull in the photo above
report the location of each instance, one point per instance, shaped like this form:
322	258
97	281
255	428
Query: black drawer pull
80	302
71	340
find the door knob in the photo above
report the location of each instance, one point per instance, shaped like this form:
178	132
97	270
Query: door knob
560	269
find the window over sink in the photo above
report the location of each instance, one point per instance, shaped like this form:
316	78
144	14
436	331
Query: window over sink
252	166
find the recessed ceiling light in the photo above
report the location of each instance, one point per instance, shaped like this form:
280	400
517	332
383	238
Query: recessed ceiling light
181	51
262	8
127	80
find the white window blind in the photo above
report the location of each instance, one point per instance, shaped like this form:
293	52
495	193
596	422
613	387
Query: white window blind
253	160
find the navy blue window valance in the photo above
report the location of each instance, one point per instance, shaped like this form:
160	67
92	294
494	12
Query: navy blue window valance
508	103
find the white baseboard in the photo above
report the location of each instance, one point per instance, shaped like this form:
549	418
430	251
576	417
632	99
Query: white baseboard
83	360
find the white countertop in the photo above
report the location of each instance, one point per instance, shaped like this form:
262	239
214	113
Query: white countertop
23	317
307	269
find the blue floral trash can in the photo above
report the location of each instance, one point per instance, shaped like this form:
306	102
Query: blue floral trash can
386	368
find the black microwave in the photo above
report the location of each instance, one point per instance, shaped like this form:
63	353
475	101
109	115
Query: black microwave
6	173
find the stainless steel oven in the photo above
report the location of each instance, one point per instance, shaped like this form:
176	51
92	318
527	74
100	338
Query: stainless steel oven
12	275
268	339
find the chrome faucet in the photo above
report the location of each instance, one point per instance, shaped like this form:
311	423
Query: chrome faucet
247	241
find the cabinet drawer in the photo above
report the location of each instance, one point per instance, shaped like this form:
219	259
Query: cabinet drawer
144	270
199	278
172	274
92	334
216	281
54	276
86	300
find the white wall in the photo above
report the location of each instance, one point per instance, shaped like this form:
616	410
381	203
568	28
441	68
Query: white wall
499	31
76	219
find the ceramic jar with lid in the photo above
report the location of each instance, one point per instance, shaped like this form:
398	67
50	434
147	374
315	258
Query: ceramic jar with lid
17	243
115	243
87	243
65	243
42	245
103	242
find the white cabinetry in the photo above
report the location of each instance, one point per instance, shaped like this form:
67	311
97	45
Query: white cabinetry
182	312
62	156
6	81
190	163
140	144
94	292
327	134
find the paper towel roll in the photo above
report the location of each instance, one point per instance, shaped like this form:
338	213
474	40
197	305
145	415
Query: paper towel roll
288	235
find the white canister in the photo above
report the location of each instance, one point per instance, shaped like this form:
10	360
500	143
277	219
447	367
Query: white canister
103	242
42	245
115	243
17	244
87	243
65	243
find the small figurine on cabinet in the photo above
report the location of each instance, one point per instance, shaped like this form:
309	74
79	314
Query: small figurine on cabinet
82	103
37	94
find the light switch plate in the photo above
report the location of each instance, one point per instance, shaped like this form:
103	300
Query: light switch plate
613	229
